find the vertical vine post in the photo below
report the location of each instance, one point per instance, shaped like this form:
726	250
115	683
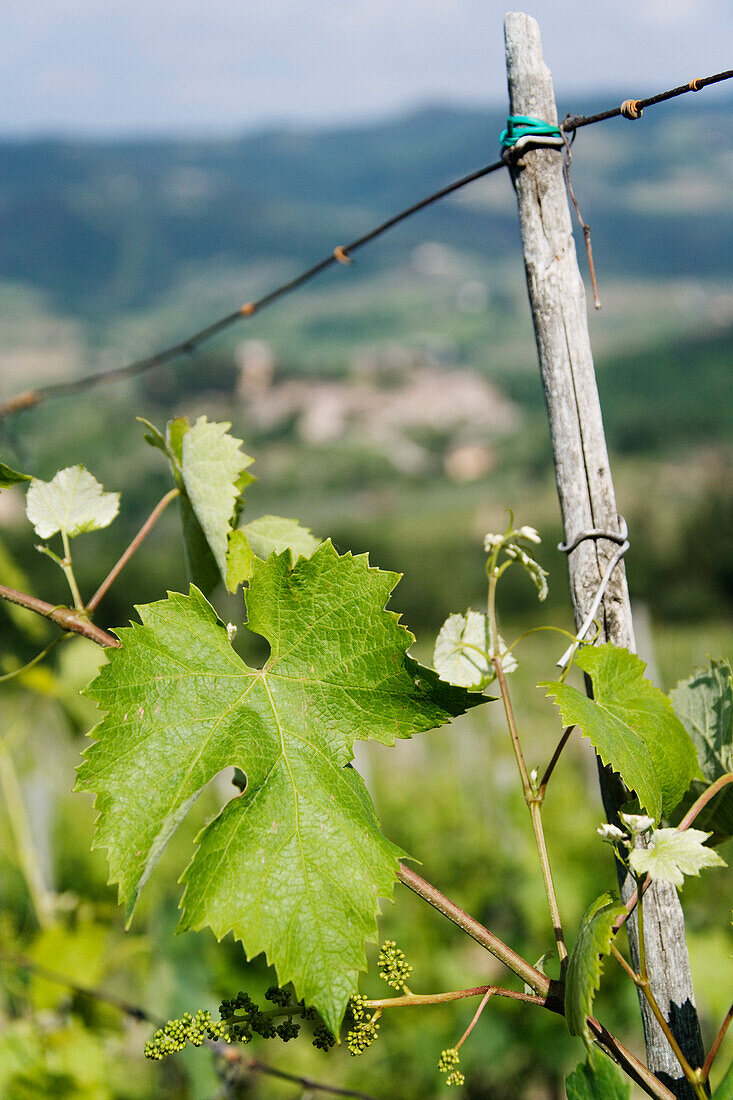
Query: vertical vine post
586	494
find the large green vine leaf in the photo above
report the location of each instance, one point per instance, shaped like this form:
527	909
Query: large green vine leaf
583	977
296	865
704	704
631	725
598	1078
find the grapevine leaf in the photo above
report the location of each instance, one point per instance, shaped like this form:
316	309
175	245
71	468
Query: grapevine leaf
620	688
175	430
597	1079
72	502
704	704
273	534
462	648
211	466
632	726
240	560
10	477
262	537
724	1091
155	437
672	854
616	744
211	473
295	866
540	965
583	977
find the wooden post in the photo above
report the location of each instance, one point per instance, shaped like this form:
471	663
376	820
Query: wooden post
587	500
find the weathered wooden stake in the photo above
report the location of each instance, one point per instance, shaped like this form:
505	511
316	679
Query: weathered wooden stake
585	489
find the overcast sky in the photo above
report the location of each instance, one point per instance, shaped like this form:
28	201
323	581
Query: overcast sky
201	66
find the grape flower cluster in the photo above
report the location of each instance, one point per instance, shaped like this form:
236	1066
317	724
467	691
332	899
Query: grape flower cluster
447	1063
364	1032
393	966
241	1019
188	1029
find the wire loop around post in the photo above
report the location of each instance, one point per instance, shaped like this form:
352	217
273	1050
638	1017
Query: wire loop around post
622	540
523	130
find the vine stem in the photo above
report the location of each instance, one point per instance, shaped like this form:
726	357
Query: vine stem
630	1064
68	569
476	1016
496	662
705	1072
531	795
64	617
125	557
542	789
414	1000
34	660
534	978
622	961
703	800
642	981
534	805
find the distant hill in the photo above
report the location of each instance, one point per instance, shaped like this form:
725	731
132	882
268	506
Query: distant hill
104	228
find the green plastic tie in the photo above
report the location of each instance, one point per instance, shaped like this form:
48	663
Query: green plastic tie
520	126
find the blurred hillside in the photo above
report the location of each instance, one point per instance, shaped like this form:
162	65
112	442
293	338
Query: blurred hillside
394	405
105	228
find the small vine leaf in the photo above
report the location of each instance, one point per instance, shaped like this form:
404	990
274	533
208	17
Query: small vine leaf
273	534
598	1078
295	865
461	651
10	477
704	705
461	654
155	437
72	502
583	977
212	466
540	965
724	1091
632	726
211	473
672	854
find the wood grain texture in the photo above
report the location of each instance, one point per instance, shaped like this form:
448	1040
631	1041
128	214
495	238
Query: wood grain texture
586	493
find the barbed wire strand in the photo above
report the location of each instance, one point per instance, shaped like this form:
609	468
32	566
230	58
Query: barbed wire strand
575	122
135	1012
341	254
